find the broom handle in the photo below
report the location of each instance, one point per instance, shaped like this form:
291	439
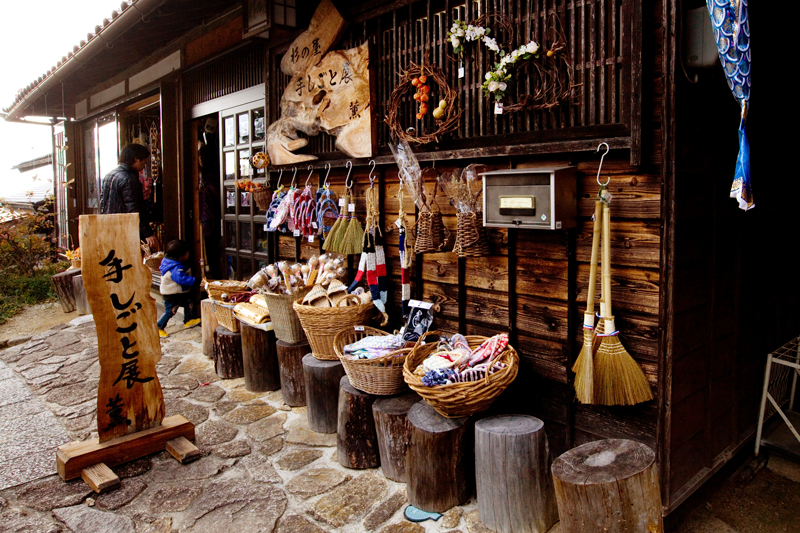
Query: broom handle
607	264
598	206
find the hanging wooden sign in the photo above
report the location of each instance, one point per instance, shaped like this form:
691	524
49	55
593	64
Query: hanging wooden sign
129	397
328	92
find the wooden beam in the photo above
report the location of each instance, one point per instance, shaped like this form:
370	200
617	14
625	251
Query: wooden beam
100	478
74	457
183	450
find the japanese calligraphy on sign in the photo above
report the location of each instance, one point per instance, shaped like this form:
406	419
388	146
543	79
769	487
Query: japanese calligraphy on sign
129	397
329	92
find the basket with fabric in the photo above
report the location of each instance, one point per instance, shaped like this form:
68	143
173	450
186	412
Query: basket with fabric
321	324
380	375
463	398
285	322
225	316
216	289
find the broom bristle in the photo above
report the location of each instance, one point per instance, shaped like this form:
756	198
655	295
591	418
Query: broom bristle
353	239
584	371
619	380
329	239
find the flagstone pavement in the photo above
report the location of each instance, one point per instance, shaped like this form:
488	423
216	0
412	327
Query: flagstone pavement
262	468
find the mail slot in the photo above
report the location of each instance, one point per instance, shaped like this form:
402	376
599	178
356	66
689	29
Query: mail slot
534	198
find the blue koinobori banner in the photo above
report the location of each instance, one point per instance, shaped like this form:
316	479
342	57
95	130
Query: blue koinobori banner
731	26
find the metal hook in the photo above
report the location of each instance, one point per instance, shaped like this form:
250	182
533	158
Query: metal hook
371	177
278	185
310	171
601	164
349	166
293	177
328	173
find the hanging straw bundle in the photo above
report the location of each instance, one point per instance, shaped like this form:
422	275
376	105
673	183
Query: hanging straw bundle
332	243
352	240
584	364
618	378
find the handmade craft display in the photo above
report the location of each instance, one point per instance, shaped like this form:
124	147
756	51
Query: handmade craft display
731	25
346	234
328	92
465	192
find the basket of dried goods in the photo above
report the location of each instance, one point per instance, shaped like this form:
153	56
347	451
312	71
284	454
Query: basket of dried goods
321	324
220	289
458	375
372	359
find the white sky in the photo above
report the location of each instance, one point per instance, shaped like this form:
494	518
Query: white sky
35	36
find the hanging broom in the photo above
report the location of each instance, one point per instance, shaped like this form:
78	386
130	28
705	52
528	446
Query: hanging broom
584	364
332	243
618	379
353	238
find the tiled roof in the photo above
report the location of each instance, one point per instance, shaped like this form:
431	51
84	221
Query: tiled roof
34	163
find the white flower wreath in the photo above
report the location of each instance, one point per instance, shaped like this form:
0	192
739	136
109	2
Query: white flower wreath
495	80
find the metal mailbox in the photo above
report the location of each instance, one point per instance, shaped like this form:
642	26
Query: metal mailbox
532	198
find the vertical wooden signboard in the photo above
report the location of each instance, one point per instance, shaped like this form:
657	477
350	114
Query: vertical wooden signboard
130	405
129	397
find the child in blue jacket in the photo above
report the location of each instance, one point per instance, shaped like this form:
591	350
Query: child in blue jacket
176	282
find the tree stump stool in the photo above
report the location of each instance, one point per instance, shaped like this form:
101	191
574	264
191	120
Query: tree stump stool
81	301
512	475
322	393
62	283
209	326
608	486
440	460
356	440
228	361
290	361
394	432
261	372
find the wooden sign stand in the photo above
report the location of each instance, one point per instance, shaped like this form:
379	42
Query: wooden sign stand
130	404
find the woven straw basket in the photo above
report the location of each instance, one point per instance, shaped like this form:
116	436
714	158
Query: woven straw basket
216	289
461	399
262	197
383	375
225	316
321	324
429	232
285	322
471	236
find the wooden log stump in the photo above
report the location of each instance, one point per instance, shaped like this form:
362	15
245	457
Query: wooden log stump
228	353
62	283
512	475
81	301
356	440
293	383
209	325
440	460
322	393
608	486
394	432
261	372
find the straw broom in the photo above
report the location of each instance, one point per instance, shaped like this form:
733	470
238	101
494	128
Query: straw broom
333	242
584	364
618	379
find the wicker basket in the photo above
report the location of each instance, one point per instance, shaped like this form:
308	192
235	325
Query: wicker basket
461	399
429	232
382	375
262	197
216	289
285	322
471	236
321	324
225	316
153	262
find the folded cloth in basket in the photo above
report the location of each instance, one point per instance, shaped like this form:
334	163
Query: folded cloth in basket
374	346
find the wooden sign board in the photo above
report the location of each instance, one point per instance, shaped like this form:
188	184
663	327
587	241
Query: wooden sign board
328	92
117	283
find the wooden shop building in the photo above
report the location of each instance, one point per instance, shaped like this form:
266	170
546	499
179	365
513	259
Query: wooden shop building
702	291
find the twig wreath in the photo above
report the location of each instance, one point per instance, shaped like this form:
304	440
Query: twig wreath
552	72
450	116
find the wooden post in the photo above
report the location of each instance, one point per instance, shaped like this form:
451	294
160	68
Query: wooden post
356	440
293	383
261	372
608	486
62	283
210	324
322	392
394	433
228	361
81	301
440	460
512	475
